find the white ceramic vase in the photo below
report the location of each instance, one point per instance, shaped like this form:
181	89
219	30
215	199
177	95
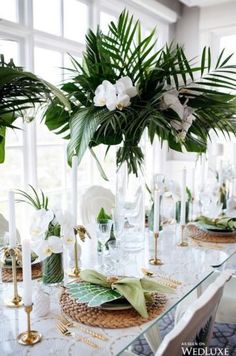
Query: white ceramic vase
41	302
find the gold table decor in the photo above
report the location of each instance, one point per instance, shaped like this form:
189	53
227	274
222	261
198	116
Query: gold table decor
82	232
16	301
182	243
155	261
29	337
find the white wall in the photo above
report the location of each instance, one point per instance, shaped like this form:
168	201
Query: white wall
187	30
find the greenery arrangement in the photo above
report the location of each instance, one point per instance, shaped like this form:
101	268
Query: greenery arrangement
224	223
125	86
46	239
103	217
19	91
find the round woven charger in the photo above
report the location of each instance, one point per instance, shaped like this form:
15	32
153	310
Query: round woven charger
109	319
194	232
7	273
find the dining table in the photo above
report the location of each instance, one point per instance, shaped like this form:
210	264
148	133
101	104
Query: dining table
190	266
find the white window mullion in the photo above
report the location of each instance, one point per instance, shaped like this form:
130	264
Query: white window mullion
30	153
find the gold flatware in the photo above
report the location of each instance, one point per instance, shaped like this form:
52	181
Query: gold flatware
66	332
69	323
164	277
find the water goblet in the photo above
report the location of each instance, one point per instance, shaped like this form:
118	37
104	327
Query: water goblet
115	254
103	235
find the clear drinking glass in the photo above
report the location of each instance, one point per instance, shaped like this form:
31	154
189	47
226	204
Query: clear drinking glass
103	235
115	255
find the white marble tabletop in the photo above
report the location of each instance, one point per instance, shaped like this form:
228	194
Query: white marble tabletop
190	265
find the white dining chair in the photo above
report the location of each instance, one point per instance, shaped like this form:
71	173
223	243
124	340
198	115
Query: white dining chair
196	324
226	309
93	199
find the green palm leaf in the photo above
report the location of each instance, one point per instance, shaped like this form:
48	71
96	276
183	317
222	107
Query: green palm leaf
93	294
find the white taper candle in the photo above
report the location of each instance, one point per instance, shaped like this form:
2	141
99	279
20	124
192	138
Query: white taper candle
183	198
26	266
74	188
12	219
156	214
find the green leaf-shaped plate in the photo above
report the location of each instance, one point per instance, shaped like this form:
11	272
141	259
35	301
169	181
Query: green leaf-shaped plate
92	294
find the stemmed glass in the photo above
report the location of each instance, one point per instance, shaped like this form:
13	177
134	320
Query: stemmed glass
103	235
115	253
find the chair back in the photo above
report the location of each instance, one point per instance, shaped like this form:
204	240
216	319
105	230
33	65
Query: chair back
194	329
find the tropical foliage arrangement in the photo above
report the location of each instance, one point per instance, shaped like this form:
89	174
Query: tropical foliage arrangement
20	91
126	86
49	229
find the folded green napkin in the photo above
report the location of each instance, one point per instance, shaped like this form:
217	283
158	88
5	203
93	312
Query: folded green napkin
135	290
224	222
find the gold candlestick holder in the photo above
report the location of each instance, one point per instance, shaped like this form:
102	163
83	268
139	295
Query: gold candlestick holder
75	271
155	261
16	301
182	243
29	337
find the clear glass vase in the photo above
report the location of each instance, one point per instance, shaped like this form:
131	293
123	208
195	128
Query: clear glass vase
130	208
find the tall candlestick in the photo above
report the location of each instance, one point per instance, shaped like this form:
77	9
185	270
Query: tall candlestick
74	188
12	219
27	279
183	198
156	213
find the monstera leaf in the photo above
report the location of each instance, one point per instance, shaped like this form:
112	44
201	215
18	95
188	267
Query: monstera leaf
94	295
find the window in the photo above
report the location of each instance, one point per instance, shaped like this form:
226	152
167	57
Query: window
48	30
105	19
8	10
49	11
76	20
10	49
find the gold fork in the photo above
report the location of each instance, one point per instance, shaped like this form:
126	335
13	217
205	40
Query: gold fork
66	332
69	323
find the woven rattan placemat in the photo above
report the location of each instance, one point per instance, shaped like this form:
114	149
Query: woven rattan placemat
194	232
7	273
109	319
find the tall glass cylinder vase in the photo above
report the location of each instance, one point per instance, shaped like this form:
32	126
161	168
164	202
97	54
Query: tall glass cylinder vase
130	208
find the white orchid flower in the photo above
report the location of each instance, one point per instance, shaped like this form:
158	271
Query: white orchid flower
185	113
115	96
124	86
47	247
40	222
123	101
111	101
103	93
68	236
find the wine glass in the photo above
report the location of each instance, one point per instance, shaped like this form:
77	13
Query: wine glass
103	235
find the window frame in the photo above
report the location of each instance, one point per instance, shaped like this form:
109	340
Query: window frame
28	38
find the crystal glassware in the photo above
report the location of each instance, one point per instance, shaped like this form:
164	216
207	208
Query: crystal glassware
103	235
115	255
